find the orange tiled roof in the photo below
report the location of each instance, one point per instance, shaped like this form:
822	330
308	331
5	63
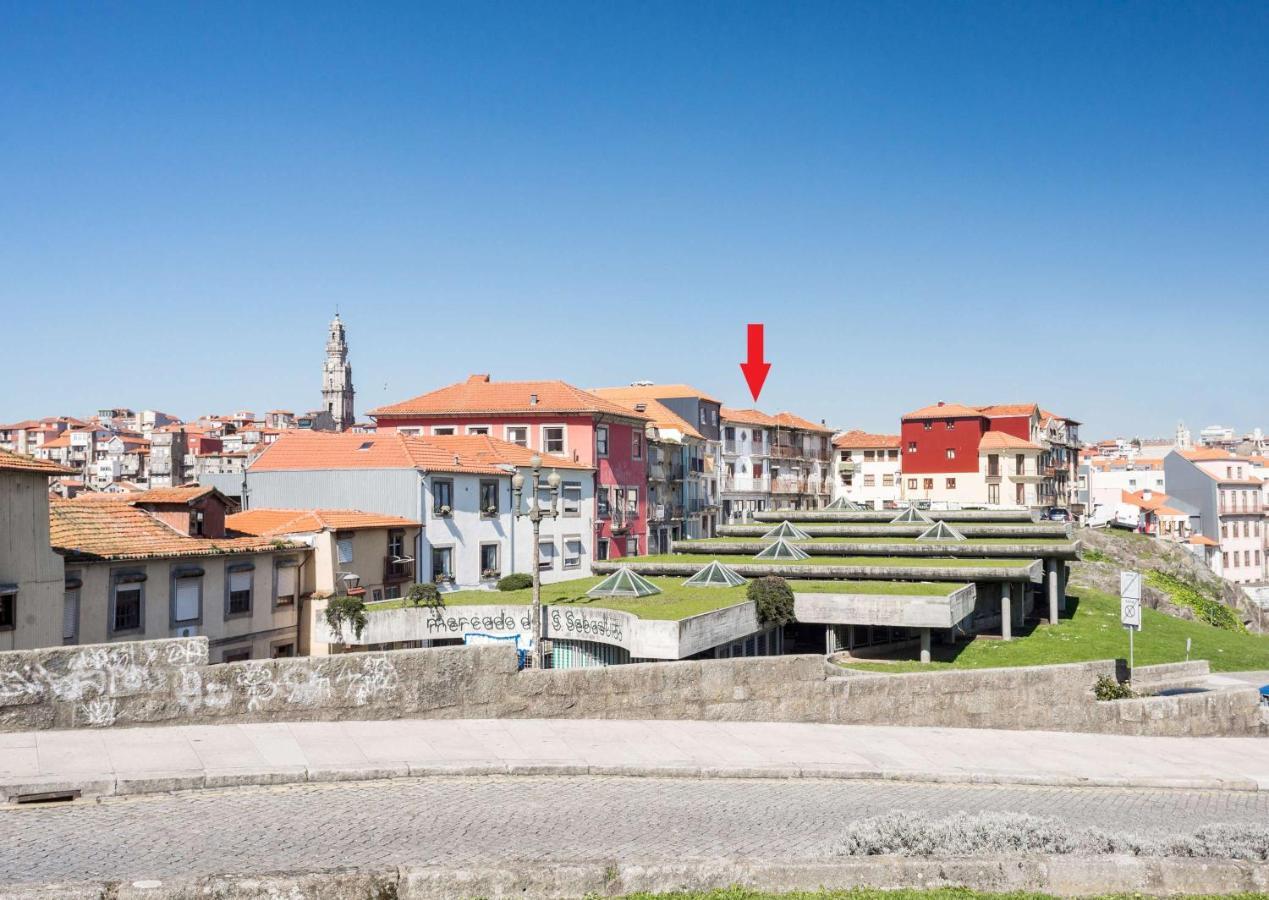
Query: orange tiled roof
753	417
662	416
274	522
861	440
792	420
1008	409
1203	540
16	462
1045	415
473	454
1210	454
999	440
480	396
1156	503
118	530
944	411
663	391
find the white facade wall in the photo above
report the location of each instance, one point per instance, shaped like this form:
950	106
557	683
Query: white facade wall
1105	487
873	482
956	489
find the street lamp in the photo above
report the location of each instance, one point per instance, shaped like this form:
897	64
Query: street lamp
535	515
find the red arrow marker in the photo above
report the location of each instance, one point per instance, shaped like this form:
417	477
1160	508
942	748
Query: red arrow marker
754	368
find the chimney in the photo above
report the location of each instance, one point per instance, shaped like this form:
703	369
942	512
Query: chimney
478	379
941	403
641	407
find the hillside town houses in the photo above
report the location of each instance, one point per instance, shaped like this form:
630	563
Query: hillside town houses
140	524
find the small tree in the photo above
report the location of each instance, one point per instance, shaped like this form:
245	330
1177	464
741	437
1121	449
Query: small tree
345	610
774	599
517	581
426	595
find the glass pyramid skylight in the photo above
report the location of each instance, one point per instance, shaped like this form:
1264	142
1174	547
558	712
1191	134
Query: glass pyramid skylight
843	503
624	582
715	575
941	531
911	515
782	549
786	529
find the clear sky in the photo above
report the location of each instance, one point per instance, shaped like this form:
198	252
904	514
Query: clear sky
1060	202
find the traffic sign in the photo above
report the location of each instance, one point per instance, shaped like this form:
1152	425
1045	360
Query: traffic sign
1130	599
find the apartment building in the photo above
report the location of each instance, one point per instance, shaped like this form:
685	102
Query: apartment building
1160	515
550	417
31	573
869	470
745	486
779	461
1230	500
1009	456
684	458
1102	480
457	486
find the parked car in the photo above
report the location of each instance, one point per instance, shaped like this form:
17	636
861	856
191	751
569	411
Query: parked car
1057	514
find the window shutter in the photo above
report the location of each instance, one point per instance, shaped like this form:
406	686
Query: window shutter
187	599
70	615
239	581
286	581
345	546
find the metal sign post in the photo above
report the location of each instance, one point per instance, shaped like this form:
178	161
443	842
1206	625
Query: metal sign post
1130	609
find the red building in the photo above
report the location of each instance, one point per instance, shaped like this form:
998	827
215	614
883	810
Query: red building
553	418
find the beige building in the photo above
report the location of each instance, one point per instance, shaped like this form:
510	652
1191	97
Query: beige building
158	564
30	572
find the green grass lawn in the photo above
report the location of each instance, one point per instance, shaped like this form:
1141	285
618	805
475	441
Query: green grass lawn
1045	542
893	561
674	601
1094	632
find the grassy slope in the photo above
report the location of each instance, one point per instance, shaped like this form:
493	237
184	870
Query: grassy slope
1094	632
895	561
847	539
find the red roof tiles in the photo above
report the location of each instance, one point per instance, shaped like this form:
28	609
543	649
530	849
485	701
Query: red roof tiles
480	396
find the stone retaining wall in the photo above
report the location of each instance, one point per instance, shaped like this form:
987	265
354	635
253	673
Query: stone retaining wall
169	682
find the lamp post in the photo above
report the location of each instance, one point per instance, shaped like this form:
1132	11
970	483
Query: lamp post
536	514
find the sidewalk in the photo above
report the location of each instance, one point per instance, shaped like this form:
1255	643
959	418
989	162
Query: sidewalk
145	760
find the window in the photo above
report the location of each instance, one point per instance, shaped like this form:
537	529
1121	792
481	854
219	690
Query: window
601	440
572	552
603	503
392	592
442	564
553	438
950	424
518	434
571	496
488	498
601	549
912	483
912	446
1225	529
546	555
927	484
1020	464
478	429
993	465
887	481
286	583
282	651
1020	494
237	654
729	433
443	430
8	611
344	548
870	481
927	425
126	602
951	453
993	494
1225	560
632	545
951	484
442	497
70	610
489	566
396	543
238	601
632	501
636	445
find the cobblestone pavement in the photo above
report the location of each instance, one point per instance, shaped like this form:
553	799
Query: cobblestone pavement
454	821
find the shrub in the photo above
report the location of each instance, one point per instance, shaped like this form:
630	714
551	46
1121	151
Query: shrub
517	581
425	595
774	599
1107	688
345	610
1213	612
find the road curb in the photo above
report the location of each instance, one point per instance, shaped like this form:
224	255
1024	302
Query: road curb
1060	875
168	782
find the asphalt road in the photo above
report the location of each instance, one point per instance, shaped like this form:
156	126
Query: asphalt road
455	821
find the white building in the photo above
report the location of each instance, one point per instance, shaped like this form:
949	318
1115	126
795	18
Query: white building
459	487
868	467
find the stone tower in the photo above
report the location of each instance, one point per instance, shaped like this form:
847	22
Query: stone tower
1183	440
337	386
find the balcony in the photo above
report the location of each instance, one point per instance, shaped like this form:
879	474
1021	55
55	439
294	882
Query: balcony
847	466
1242	509
397	570
729	447
782	451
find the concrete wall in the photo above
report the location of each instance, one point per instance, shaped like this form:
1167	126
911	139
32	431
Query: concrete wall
168	682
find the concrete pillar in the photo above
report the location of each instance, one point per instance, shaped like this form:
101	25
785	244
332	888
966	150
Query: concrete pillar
1063	574
1006	615
925	645
1051	580
829	643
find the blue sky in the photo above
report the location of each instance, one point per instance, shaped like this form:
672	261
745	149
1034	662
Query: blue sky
980	202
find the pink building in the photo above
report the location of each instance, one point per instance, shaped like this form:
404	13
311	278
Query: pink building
555	419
